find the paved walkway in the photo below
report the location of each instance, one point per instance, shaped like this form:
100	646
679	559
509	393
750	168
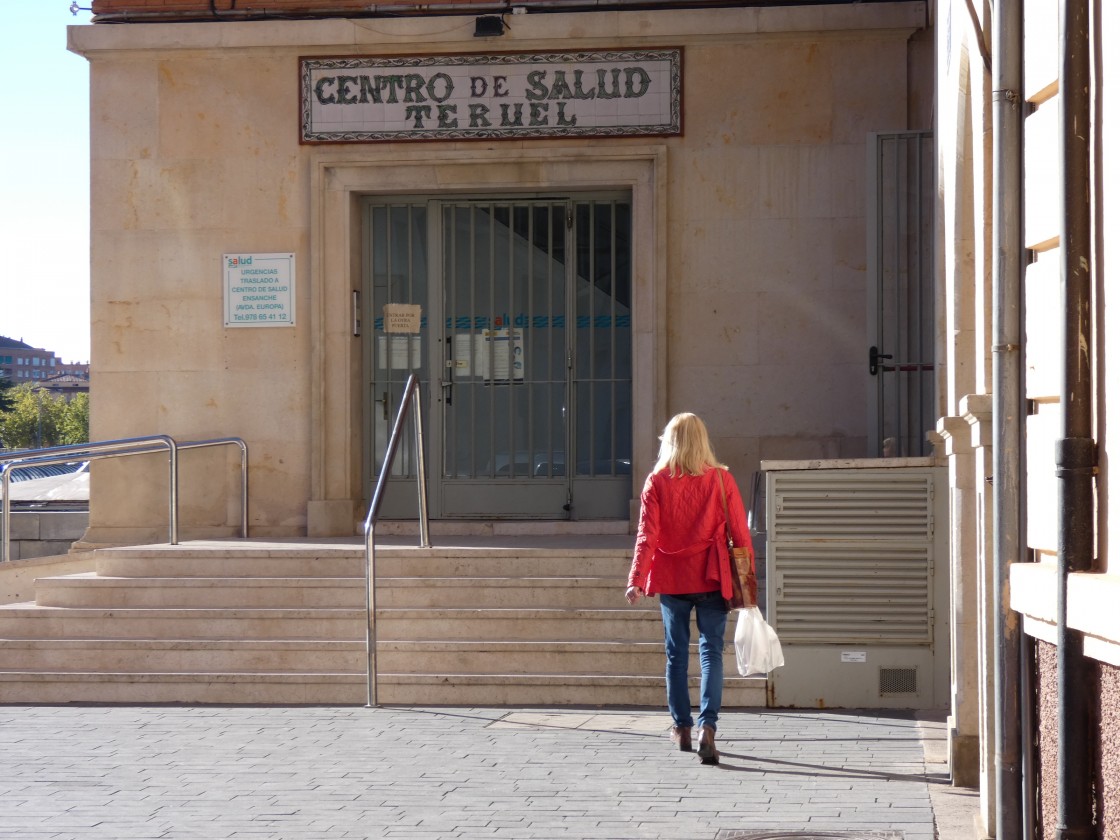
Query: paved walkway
314	773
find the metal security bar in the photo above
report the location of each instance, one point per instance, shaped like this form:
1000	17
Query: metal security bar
13	462
410	398
902	304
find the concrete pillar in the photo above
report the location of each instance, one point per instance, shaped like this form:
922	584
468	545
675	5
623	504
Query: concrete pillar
976	409
964	716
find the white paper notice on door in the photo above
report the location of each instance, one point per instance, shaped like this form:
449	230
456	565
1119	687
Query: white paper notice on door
494	355
401	352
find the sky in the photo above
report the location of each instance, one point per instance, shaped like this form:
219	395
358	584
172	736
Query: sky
44	180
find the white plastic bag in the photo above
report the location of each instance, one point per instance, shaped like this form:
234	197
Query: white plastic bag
757	649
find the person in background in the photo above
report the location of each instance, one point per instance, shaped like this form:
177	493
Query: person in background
681	556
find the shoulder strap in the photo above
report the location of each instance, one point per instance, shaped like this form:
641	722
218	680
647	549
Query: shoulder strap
723	498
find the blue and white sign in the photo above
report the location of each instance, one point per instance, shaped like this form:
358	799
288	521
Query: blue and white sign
259	290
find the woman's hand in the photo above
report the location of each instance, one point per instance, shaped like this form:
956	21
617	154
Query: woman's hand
633	593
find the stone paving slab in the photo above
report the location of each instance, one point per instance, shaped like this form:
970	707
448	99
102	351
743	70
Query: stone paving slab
305	773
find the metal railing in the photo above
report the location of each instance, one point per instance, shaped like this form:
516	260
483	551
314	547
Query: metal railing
12	462
411	397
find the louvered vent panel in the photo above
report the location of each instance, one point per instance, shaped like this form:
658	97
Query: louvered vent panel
851	554
852	506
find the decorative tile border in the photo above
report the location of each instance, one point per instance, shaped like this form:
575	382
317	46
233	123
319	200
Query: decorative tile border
491	97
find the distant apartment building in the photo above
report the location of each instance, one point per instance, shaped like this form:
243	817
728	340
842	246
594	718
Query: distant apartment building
20	362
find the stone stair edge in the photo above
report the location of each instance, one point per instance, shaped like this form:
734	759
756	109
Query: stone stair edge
250	581
325	552
27	610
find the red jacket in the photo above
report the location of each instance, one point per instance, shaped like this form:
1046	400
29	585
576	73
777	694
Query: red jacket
681	547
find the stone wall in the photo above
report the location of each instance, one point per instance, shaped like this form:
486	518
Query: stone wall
45	533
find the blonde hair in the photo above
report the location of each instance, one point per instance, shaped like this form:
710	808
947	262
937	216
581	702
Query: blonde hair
685	447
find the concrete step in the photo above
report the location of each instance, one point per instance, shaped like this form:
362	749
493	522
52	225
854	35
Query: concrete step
351	689
575	625
432	658
27	621
520	657
182	655
286	623
349	561
94	590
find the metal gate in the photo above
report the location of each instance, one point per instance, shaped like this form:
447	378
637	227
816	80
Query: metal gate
528	377
901	298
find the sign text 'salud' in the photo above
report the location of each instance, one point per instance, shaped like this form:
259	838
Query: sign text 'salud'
491	96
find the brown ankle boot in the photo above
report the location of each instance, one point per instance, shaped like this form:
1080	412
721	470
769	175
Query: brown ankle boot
707	751
682	737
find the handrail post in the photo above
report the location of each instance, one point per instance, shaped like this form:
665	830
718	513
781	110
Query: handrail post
244	489
6	489
112	449
411	397
421	473
173	490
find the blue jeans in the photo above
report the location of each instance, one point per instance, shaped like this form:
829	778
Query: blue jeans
711	621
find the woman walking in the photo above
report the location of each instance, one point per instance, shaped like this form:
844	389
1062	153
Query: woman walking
681	555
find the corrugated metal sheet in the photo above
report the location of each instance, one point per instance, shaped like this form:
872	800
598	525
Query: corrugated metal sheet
852	556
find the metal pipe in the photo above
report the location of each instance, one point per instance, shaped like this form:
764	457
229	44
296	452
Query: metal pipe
421	475
238	442
410	397
83	452
1076	449
1007	408
115	449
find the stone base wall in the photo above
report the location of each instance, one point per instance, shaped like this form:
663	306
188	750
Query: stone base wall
46	533
1105	685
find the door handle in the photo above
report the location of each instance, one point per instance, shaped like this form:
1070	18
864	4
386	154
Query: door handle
873	359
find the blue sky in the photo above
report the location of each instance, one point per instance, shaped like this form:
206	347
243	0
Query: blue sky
44	180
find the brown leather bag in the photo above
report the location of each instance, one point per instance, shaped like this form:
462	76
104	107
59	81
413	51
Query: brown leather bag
744	581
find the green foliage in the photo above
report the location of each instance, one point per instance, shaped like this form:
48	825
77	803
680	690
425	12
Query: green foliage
5	394
36	418
73	425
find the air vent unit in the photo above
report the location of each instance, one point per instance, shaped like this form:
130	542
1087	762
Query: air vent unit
898	681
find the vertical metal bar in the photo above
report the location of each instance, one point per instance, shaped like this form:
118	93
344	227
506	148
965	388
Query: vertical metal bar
472	309
421	473
528	381
173	478
490	349
6	486
511	429
244	490
612	337
901	310
368	530
1076	450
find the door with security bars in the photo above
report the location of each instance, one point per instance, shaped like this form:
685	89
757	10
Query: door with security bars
856	587
528	410
901	295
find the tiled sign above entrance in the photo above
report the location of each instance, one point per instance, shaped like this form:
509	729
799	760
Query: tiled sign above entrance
491	97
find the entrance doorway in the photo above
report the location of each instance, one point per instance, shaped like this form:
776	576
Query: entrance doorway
524	353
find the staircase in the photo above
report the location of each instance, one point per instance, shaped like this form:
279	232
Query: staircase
285	623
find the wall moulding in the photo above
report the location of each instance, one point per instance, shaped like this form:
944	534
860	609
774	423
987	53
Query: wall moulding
340	178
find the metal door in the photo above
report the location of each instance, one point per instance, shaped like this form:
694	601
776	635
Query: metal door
528	380
901	302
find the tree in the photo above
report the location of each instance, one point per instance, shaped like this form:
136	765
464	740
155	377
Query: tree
5	394
73	423
32	421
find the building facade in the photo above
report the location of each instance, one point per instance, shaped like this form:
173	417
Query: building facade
568	227
1027	109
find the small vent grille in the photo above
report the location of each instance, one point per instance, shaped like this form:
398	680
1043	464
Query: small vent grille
898	681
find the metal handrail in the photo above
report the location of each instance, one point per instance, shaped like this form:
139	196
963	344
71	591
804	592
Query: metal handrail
411	397
12	462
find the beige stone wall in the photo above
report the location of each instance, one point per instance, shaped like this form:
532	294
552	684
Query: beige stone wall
749	257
